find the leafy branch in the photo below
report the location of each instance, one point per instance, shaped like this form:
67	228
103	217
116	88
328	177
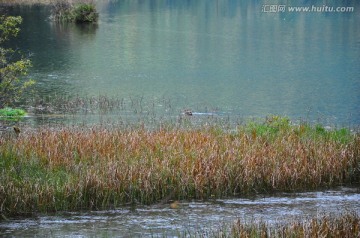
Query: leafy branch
12	72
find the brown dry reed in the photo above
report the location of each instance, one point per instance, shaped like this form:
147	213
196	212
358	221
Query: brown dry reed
74	168
343	226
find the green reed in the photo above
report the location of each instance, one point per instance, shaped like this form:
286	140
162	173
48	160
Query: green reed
73	168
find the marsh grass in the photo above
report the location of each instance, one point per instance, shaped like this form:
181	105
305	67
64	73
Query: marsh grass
345	225
128	111
78	11
98	167
60	104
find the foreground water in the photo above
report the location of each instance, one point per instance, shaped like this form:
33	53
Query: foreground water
232	57
189	216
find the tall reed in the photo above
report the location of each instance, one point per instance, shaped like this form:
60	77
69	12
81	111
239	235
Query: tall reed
345	225
71	168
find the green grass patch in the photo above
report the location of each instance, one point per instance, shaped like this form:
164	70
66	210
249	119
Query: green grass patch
275	126
78	12
12	112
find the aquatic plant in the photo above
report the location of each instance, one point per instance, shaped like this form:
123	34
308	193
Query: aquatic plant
343	225
63	104
81	11
85	13
275	126
12	112
71	168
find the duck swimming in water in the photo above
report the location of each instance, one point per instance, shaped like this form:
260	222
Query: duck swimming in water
188	112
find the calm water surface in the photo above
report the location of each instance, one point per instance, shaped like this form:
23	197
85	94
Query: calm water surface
209	56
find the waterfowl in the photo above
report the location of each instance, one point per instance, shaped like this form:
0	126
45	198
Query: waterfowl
188	112
174	205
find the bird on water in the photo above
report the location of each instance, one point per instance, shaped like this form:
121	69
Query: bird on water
188	112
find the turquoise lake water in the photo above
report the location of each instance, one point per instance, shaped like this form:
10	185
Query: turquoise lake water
232	57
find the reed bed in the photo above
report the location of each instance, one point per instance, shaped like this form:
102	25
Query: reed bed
60	104
42	2
345	225
98	167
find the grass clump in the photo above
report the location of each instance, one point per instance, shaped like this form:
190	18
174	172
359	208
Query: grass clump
12	112
73	168
345	225
276	126
79	11
85	13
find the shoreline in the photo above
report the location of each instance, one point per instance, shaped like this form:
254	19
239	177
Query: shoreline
25	3
42	2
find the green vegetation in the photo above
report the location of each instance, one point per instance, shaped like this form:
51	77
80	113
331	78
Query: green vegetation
13	67
78	11
276	126
72	168
85	13
12	113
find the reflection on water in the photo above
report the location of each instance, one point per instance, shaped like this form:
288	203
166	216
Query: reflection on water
159	220
217	54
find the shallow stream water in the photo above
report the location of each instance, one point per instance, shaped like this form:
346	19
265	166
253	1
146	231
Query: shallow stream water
188	217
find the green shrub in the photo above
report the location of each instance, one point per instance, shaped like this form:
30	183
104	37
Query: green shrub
274	126
80	12
11	112
85	13
271	127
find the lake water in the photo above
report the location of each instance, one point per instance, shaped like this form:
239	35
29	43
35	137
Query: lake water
235	58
